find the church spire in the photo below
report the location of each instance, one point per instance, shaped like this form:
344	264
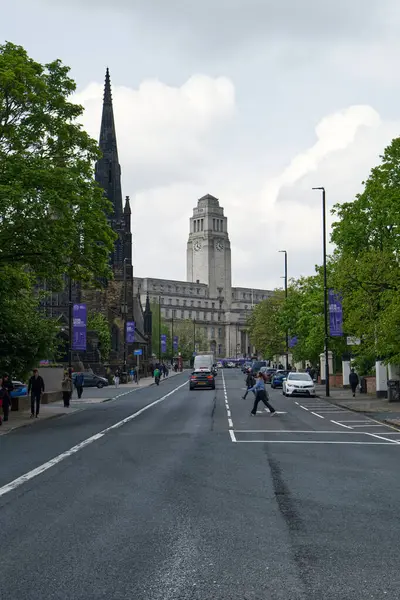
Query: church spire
108	170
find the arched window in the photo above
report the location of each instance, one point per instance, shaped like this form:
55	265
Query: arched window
115	338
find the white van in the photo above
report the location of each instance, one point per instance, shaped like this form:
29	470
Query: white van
203	361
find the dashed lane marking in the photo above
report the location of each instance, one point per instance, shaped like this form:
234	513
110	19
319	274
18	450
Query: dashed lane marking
341	424
317	415
5	489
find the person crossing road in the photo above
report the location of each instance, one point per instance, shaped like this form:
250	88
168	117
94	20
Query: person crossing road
261	396
250	382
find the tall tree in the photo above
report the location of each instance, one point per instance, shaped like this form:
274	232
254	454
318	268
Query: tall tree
53	214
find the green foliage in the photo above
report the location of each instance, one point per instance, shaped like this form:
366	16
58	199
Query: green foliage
25	335
53	214
97	322
366	268
265	326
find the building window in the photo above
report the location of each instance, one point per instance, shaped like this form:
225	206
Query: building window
212	332
202	224
246	306
213	224
162	300
166	312
217	224
219	316
190	314
177	301
213	304
192	303
170	300
206	304
184	303
183	290
219	349
174	313
205	332
198	290
222	225
197	314
220	332
182	314
198	302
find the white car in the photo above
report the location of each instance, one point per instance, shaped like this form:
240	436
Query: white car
298	384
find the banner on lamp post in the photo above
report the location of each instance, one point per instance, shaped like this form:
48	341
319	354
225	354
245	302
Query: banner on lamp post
175	343
335	314
163	343
292	342
79	326
130	332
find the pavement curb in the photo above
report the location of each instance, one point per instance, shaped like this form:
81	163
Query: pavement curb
29	424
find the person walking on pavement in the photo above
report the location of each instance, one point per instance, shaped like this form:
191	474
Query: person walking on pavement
79	381
116	378
250	382
35	388
157	375
67	387
8	387
353	381
261	396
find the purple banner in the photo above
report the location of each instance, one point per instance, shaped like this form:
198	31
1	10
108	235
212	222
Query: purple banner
79	327
130	332
163	343
335	314
292	342
175	343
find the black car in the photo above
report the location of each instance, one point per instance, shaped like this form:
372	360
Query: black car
202	379
91	380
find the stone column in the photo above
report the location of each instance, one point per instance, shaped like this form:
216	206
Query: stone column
381	379
346	368
322	364
394	371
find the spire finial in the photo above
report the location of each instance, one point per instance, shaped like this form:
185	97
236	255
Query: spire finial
127	208
107	88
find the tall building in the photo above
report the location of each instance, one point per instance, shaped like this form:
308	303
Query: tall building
116	301
207	296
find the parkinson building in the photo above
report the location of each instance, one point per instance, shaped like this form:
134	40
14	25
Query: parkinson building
207	296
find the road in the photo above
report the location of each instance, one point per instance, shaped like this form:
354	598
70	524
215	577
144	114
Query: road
192	498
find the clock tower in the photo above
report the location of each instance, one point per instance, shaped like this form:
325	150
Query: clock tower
209	249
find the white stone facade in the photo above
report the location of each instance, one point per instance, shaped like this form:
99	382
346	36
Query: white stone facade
207	297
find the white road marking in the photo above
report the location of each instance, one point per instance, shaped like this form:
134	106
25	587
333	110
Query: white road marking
379	437
316	432
297	403
57	459
233	437
230	423
229	413
341	424
317	415
366	425
314	442
303	407
228	410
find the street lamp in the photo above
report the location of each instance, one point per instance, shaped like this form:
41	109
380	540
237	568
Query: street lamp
159	328
125	312
286	295
70	324
322	189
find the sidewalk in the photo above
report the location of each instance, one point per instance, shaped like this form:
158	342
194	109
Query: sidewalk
380	408
57	409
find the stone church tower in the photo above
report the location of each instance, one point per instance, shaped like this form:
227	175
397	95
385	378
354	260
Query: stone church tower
209	250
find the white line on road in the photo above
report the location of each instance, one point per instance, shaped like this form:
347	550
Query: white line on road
303	407
366	425
229	413
230	423
228	410
317	415
341	424
57	459
233	437
314	442
379	437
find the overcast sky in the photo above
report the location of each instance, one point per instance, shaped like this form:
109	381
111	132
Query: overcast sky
253	101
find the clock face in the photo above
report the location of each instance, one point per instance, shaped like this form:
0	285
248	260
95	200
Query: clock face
197	246
220	246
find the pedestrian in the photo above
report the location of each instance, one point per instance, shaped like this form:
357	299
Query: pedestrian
3	394
157	375
261	396
116	379
8	387
250	382
35	388
67	387
79	381
353	381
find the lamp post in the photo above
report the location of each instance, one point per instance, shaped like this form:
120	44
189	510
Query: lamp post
286	294
322	189
172	340
194	337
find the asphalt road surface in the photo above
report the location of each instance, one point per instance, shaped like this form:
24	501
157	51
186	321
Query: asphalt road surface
168	494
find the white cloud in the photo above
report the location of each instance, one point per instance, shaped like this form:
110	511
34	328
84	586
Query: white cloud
165	134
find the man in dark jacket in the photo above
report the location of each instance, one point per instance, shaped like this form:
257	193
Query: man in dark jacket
353	381
36	388
8	387
79	381
250	381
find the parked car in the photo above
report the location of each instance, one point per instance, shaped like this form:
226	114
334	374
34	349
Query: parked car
298	384
230	365
91	380
20	389
202	379
257	365
268	373
277	379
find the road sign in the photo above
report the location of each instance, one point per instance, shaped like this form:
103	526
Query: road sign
353	341
138	352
